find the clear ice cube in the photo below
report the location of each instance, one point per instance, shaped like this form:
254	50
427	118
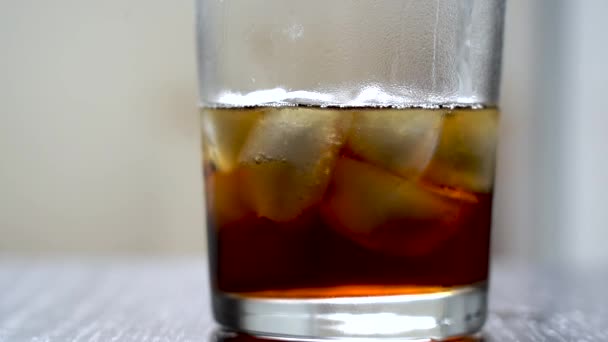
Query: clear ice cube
224	133
223	198
466	152
402	141
288	158
384	212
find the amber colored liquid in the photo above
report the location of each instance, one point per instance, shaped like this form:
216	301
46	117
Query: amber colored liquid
311	202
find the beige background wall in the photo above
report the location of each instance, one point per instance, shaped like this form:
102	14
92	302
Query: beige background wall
99	140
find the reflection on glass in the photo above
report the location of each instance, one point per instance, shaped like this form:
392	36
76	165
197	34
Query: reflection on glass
222	335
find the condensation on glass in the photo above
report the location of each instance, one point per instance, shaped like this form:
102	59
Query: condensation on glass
349	53
348	156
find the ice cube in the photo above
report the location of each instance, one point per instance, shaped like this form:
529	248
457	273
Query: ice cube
387	213
225	132
466	152
224	203
402	141
288	159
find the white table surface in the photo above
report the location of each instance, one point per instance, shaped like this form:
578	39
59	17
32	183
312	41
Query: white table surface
161	300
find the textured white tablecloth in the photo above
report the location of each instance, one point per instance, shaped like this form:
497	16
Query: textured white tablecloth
167	300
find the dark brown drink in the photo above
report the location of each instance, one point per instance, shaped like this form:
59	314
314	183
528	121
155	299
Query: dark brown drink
306	202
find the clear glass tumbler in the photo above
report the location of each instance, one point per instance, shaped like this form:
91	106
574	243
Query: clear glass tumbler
349	154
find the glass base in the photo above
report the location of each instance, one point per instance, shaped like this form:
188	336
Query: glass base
455	312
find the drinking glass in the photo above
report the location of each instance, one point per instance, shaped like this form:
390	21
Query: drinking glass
348	157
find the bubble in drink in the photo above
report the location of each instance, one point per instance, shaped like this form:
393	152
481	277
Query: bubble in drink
318	202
